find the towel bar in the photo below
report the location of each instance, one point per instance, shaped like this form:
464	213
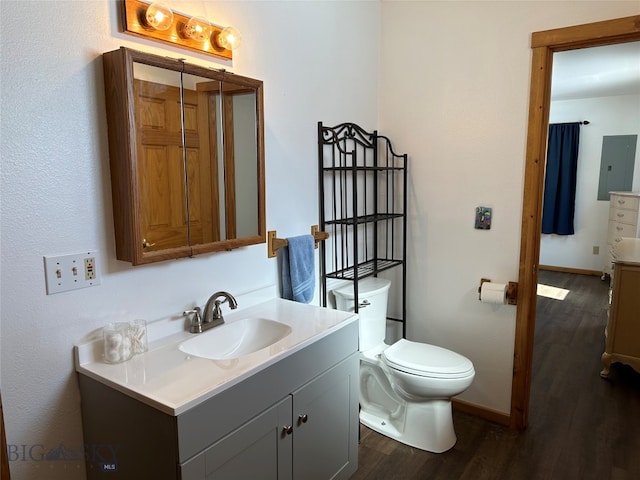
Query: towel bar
274	243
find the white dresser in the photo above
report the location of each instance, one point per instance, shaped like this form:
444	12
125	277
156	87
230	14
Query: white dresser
624	221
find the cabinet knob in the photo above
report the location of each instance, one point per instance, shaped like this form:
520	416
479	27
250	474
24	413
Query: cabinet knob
287	429
302	418
364	303
146	244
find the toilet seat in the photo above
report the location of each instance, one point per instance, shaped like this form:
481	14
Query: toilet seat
426	360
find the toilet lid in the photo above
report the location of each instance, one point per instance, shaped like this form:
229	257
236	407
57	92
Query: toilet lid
368	286
427	360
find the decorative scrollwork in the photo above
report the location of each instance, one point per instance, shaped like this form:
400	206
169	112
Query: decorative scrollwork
348	131
352	141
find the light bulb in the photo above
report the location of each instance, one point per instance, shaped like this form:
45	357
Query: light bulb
229	38
159	16
198	29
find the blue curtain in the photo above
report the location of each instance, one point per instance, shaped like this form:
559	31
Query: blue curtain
560	179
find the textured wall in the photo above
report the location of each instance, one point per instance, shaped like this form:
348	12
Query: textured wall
315	61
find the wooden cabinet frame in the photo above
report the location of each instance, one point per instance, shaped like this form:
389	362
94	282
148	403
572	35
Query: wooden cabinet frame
124	142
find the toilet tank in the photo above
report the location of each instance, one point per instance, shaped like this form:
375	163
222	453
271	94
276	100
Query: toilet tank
372	295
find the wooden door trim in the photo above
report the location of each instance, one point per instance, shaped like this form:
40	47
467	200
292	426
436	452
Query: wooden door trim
543	45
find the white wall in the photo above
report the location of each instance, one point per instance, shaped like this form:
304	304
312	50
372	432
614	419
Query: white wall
454	89
619	115
317	64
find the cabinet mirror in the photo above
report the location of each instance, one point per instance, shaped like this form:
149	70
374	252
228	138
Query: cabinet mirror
186	147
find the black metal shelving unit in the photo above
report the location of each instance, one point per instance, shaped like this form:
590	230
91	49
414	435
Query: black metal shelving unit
363	205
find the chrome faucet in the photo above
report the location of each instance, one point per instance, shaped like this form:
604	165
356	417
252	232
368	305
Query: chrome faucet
212	316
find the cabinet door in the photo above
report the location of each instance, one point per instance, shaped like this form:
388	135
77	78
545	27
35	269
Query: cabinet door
325	416
261	448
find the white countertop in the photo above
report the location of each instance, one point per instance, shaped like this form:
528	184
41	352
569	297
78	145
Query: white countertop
173	381
627	250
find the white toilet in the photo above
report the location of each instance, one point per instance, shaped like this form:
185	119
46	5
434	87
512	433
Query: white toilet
405	388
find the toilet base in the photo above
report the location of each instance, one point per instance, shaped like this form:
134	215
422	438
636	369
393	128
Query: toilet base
427	426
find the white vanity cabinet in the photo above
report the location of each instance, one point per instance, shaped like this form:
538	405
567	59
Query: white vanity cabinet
624	221
295	419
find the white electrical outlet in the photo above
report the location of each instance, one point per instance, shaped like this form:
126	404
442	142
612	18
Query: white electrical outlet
90	268
70	272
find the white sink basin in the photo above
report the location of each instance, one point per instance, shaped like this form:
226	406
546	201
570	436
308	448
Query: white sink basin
235	339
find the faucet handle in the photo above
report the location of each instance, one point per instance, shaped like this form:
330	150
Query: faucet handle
196	320
217	311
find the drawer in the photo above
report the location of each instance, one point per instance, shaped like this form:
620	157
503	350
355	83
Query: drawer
625	202
630	217
617	230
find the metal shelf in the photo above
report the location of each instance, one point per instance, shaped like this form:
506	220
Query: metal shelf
365	219
365	269
363	205
362	169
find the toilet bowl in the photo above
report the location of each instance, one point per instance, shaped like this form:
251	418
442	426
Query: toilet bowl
405	388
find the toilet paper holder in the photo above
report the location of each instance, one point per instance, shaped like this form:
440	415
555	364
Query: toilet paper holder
512	291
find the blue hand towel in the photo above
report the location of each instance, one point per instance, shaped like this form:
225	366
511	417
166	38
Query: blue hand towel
297	269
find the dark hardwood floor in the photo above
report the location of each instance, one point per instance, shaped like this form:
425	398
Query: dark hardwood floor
580	425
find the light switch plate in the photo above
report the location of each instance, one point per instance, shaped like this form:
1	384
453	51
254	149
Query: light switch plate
70	272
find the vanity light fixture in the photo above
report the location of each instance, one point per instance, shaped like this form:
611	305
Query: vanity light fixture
198	29
157	21
228	38
159	16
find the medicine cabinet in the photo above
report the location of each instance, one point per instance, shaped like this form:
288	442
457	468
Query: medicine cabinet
186	148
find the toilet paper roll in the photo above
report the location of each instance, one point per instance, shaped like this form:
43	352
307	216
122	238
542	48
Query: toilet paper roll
495	293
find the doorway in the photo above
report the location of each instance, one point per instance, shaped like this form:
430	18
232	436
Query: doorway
543	45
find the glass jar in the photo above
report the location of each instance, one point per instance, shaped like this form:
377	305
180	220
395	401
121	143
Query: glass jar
117	342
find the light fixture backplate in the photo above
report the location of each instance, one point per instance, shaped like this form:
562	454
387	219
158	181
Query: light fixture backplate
135	24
